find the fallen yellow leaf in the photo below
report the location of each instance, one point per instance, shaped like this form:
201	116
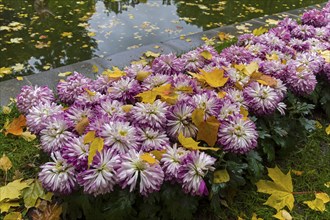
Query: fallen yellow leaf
283	215
318	204
5	163
221	176
148	158
96	146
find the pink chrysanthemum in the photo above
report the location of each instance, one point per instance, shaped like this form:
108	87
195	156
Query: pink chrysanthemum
38	115
207	101
125	90
171	161
31	96
195	166
74	85
101	177
135	69
156	80
168	64
58	176
237	135
120	136
152	139
75	152
133	168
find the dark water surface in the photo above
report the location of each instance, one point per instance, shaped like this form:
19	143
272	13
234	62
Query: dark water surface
37	35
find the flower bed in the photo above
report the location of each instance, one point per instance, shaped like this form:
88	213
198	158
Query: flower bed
191	121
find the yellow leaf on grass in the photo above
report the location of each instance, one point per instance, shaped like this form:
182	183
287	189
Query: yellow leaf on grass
215	78
148	158
319	202
12	190
5	206
6	110
141	75
206	54
33	193
280	189
96	146
197	116
318	125
208	131
81	125
5	71
5	163
327	130
13	216
16	126
221	176
67	34
47	210
283	215
224	36
327	184
115	73
89	137
28	136
297	172
255	217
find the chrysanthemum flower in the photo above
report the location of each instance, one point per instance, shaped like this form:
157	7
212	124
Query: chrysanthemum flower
58	176
55	134
288	23
303	32
237	135
150	115
152	139
195	166
98	120
77	112
74	85
234	54
38	115
101	177
168	64
181	82
273	68
31	96
132	168
133	70
193	60
102	83
120	136
227	109
171	161
315	18
112	108
235	96
207	101
156	80
89	97
75	152
179	120
281	32
311	60
261	99
125	89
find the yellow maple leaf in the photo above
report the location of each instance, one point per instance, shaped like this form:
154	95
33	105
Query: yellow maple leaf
141	75
16	126
148	158
158	153
89	137
5	163
208	131
166	93
250	68
283	215
215	78
326	55
13	216
64	74
12	190
280	189
327	130
5	206
115	73
319	202
221	176
67	34
206	54
191	144
259	31
255	217
96	146
151	54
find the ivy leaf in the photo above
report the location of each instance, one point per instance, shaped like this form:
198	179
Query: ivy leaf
12	190
319	202
221	176
208	131
5	163
47	211
283	215
33	193
96	146
16	126
280	190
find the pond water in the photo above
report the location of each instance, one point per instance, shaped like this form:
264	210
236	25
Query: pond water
37	35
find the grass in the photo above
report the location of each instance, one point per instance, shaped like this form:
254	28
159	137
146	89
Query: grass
312	159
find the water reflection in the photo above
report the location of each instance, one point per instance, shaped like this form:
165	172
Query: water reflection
38	35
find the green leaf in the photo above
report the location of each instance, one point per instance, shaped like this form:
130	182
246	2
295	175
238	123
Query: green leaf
255	164
33	193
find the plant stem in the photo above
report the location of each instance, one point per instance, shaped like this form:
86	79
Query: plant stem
306	192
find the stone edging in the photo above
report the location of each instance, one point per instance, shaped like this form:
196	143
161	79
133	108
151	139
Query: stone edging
10	88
